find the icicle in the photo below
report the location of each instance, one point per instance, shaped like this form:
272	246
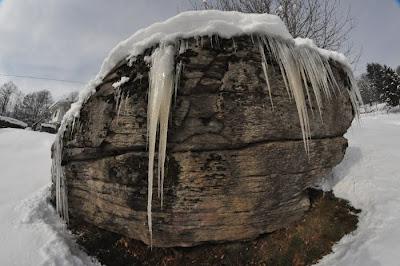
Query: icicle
126	101
117	99
72	127
304	77
284	55
217	41
178	72
182	47
211	42
57	171
159	101
354	92
298	65
265	70
273	53
252	38
234	45
120	101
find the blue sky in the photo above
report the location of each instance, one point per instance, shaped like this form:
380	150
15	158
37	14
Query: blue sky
377	31
68	39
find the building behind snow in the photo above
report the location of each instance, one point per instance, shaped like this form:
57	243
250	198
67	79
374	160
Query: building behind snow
58	110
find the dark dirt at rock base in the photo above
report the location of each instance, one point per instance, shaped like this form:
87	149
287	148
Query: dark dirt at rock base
304	243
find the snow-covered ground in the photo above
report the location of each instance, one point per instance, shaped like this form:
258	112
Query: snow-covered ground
30	232
369	177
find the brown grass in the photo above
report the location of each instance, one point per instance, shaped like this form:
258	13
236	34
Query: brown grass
304	243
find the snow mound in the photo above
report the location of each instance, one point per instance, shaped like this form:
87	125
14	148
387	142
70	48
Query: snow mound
11	122
59	246
369	178
31	232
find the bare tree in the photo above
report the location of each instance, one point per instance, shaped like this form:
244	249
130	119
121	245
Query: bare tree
326	22
71	97
7	90
398	70
34	107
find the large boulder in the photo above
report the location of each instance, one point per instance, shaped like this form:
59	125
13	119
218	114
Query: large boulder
236	167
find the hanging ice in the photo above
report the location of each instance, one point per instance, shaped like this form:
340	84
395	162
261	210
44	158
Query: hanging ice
57	171
162	85
300	64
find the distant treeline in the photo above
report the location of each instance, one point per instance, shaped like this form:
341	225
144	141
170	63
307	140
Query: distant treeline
30	107
380	84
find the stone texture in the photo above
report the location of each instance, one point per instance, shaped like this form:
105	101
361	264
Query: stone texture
236	168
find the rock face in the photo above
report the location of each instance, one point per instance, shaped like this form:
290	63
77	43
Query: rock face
236	168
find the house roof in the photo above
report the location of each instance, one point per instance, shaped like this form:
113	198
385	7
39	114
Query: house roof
58	104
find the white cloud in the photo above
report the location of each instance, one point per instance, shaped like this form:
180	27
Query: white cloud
68	39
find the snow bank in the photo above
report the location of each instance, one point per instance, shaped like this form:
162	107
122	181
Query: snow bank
369	178
31	232
11	122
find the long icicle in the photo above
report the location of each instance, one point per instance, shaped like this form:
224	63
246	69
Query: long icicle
159	101
264	65
60	183
284	54
299	64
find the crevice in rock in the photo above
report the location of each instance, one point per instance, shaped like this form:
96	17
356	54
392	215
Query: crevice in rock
100	153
